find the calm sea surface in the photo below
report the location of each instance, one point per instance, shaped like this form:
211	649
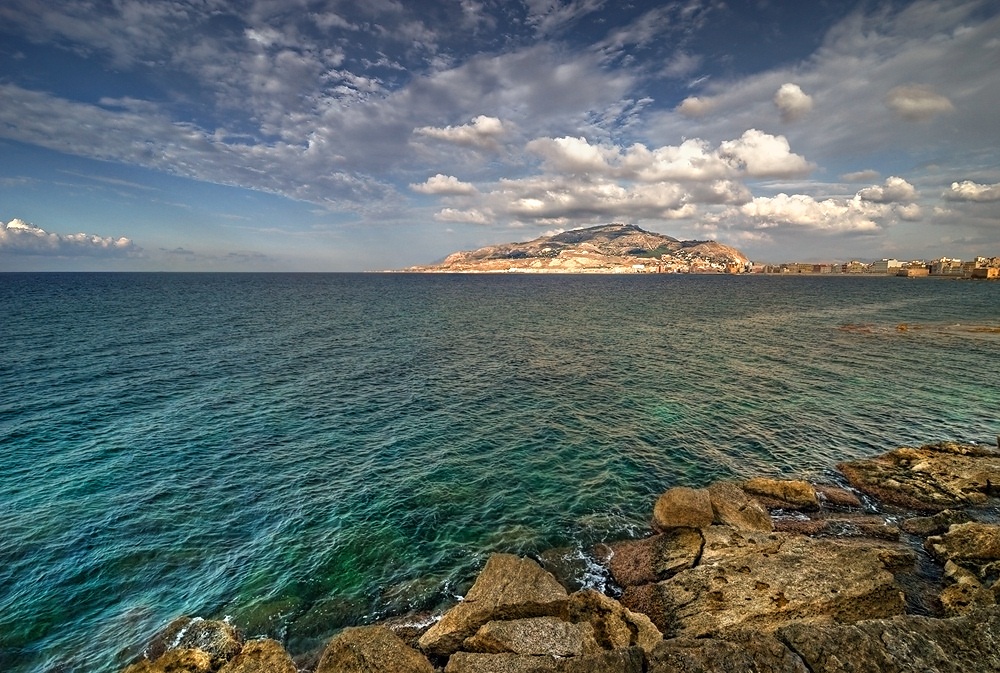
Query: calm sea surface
300	453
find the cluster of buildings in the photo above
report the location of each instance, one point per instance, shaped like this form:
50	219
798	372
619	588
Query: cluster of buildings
980	267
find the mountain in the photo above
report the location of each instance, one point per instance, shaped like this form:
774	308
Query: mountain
606	248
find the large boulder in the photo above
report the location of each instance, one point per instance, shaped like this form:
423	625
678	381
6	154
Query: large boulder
655	558
508	587
783	493
967	543
732	507
683	507
534	636
615	626
217	639
261	656
902	644
741	653
371	649
174	661
931	478
619	661
762	581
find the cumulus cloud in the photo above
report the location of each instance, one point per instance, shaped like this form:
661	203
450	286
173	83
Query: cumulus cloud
20	237
483	133
967	190
444	185
894	190
792	103
762	155
917	103
696	106
798	211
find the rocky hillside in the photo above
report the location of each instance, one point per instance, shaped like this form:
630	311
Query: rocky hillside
607	248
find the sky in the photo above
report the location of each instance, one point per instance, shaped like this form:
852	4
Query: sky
334	135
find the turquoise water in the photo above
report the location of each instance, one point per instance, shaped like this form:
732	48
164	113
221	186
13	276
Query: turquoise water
299	453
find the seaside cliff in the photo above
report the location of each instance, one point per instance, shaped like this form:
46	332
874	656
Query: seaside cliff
895	568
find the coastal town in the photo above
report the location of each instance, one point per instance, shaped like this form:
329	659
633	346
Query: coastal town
986	268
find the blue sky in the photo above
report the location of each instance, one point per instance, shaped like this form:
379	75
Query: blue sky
327	135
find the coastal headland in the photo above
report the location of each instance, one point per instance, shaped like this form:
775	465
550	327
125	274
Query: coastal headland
893	566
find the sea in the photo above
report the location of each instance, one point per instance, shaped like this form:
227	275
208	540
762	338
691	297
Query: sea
299	453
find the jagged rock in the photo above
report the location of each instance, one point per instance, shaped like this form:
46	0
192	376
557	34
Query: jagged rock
967	543
783	493
618	661
371	649
855	526
174	661
219	640
902	644
741	653
933	477
837	497
732	507
960	599
508	587
261	656
763	581
925	526
615	626
535	636
683	507
655	558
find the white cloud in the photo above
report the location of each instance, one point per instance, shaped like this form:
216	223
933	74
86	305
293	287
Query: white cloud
20	237
484	133
798	211
762	155
866	175
697	106
917	102
573	155
444	185
967	190
792	103
894	190
470	216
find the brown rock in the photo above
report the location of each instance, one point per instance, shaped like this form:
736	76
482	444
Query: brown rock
837	497
219	640
732	507
261	656
371	649
174	661
741	653
931	478
961	599
619	661
655	558
615	626
903	644
509	587
535	636
763	586
683	507
783	493
925	526
967	543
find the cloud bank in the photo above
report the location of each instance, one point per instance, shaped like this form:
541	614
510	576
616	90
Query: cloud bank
20	237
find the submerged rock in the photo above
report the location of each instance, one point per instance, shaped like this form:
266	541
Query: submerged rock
509	587
371	649
683	507
933	477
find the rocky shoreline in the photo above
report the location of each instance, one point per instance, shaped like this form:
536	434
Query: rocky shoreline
895	568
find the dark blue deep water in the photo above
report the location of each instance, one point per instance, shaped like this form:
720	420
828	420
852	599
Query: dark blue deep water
299	453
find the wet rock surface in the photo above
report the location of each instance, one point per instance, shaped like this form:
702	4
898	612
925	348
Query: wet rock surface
766	575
